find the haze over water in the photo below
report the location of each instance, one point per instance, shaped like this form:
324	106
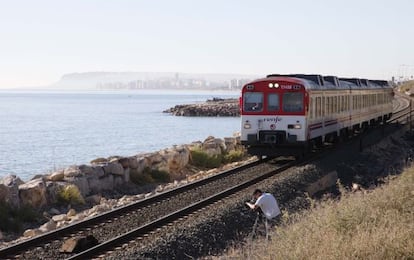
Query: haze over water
42	131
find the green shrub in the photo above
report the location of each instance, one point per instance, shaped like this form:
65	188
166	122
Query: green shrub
233	156
149	176
160	176
141	178
12	219
202	159
70	195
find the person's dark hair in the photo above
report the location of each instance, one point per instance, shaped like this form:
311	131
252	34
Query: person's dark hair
256	191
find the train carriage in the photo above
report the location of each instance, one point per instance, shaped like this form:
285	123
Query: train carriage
286	114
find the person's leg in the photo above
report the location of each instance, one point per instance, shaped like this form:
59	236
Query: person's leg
267	228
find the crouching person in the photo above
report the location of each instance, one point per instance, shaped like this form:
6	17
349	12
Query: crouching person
267	203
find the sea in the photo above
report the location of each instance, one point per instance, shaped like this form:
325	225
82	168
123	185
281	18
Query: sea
42	131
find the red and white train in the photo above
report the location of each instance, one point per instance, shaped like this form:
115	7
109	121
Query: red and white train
286	114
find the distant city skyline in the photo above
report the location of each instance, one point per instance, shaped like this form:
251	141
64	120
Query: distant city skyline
43	40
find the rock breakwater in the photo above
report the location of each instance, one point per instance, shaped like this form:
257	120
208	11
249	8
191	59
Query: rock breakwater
213	108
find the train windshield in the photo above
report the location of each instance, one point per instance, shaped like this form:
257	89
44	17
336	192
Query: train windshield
253	101
293	102
273	102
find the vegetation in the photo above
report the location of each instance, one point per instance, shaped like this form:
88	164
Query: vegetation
361	225
149	176
407	86
200	158
233	156
70	195
12	219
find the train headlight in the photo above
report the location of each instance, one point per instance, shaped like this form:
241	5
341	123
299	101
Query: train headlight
295	126
247	125
270	85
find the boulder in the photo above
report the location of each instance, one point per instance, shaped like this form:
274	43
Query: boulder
98	171
33	193
86	169
57	176
175	159
107	182
31	233
213	146
93	199
59	218
94	185
71	213
132	162
124	162
78	244
114	168
99	161
231	143
118	181
82	184
127	174
48	226
9	190
73	171
142	163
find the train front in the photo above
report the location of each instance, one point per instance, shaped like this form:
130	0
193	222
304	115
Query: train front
273	116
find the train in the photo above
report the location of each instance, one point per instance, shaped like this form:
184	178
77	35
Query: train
293	113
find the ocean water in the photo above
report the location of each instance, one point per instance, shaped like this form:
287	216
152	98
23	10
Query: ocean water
42	131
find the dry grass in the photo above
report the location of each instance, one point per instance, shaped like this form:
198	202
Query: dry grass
374	225
407	86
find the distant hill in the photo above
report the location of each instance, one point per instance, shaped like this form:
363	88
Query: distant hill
151	80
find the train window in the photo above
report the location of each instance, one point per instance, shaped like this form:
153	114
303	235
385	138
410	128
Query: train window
318	107
253	101
273	102
293	102
312	108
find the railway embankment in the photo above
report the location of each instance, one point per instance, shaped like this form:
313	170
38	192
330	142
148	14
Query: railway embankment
216	107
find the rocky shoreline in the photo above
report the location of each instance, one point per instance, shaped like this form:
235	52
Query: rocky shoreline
104	184
216	107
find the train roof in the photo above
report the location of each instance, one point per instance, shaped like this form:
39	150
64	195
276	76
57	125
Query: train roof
315	81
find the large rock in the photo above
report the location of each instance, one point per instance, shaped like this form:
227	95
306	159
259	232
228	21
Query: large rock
213	146
133	162
99	171
177	158
82	184
86	169
9	190
78	244
231	143
33	193
57	176
106	183
48	226
114	168
73	171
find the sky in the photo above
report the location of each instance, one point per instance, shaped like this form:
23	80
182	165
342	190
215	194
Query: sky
44	39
